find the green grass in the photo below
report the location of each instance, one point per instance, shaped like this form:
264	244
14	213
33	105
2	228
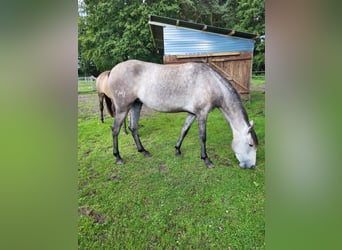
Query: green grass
165	202
85	86
258	79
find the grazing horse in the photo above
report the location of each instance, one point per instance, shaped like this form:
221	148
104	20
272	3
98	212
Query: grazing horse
195	88
104	94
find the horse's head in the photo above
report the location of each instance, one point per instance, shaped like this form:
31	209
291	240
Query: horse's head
245	146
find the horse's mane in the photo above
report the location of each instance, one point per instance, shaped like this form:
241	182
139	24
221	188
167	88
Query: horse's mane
231	89
236	95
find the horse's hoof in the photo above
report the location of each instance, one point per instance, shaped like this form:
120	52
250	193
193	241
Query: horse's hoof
178	153
119	162
208	163
147	154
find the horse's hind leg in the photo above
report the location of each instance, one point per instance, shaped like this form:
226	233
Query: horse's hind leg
119	118
101	97
202	124
124	128
133	126
188	122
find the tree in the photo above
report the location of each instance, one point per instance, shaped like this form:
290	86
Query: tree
116	30
251	16
111	31
203	11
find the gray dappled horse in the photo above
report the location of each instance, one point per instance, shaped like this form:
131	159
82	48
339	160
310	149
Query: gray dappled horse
104	94
195	88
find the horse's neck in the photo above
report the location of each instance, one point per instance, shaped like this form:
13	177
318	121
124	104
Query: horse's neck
237	125
234	113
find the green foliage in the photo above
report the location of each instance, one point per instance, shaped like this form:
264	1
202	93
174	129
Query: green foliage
205	11
166	202
116	30
251	16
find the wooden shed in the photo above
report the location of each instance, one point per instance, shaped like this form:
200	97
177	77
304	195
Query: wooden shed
230	52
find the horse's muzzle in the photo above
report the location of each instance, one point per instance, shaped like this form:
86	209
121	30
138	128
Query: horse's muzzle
245	166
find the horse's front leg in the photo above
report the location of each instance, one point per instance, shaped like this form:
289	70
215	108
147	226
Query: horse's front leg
188	122
134	123
119	118
202	123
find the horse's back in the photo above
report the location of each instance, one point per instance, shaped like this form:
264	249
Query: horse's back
157	76
167	88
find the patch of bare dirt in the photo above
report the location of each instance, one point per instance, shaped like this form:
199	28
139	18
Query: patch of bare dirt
93	98
97	217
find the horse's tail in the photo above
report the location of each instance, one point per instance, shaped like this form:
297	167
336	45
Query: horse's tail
109	105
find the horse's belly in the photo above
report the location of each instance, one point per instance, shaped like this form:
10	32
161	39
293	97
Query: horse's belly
166	106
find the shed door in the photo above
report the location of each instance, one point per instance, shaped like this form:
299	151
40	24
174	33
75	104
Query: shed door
235	66
238	80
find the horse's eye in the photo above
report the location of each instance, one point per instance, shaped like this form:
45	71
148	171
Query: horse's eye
251	145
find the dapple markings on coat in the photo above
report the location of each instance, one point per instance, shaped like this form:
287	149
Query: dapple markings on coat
195	88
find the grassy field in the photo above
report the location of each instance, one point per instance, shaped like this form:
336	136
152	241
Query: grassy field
258	79
165	202
86	86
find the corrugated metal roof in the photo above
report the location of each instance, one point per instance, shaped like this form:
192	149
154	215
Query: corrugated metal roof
180	41
181	37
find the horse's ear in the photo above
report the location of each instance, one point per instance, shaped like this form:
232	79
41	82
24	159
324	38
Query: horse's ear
251	126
